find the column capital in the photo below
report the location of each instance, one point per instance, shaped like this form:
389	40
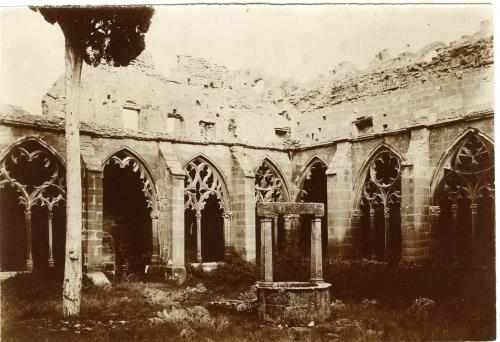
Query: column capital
387	211
154	214
434	210
357	213
265	218
227	214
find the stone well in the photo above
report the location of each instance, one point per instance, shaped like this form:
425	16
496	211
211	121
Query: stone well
293	302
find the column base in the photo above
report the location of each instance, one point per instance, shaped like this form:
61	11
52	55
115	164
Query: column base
317	280
29	265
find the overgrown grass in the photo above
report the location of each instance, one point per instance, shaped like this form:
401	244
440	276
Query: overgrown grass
370	301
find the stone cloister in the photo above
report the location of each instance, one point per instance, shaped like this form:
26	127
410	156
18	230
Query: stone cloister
404	167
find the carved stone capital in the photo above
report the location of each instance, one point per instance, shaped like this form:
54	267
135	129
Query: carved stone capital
387	212
434	210
357	213
154	214
227	215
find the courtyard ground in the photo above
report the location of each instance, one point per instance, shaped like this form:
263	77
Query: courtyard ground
370	301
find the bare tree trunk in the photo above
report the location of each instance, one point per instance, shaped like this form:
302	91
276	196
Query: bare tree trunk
73	253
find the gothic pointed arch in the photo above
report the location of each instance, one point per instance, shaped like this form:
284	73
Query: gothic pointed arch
463	198
364	170
379	205
124	157
468	142
32	211
202	181
270	184
313	163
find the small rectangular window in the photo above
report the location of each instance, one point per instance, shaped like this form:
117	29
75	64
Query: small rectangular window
130	118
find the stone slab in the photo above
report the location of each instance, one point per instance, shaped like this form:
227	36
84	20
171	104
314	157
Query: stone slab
98	279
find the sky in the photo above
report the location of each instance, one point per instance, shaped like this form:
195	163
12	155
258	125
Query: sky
286	42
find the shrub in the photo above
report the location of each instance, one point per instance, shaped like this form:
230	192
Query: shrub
156	296
188	321
235	273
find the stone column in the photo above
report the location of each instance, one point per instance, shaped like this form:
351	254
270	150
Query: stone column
290	236
275	234
435	216
266	254
51	255
178	268
473	244
198	237
316	252
372	232
29	256
356	216
155	257
455	210
387	231
227	232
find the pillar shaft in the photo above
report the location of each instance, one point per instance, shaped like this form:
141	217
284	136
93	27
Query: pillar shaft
455	209
198	237
356	216
178	268
372	232
316	252
155	258
387	231
51	255
29	256
227	233
435	216
266	256
474	219
275	234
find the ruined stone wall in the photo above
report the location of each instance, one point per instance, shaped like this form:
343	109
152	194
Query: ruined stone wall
393	94
199	100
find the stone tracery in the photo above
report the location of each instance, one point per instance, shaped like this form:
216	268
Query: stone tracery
204	189
467	190
381	192
37	176
124	159
268	185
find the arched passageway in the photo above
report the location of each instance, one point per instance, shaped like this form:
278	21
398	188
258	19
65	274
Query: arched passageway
466	201
314	189
32	208
206	230
380	207
128	198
